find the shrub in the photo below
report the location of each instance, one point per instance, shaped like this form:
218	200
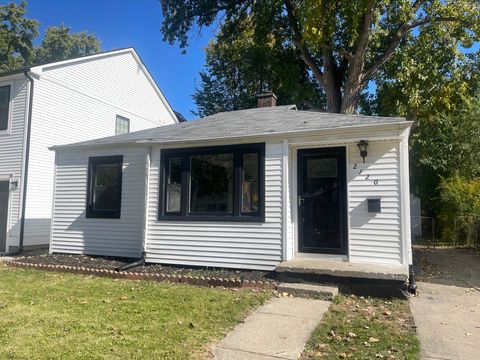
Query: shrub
460	210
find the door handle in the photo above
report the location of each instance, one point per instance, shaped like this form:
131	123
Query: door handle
301	200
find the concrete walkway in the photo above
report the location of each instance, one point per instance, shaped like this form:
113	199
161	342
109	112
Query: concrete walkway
447	308
277	330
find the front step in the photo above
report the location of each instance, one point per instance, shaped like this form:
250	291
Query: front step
321	292
350	278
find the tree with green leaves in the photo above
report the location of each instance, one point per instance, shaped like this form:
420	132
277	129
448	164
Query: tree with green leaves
430	75
17	34
242	62
59	43
434	82
344	44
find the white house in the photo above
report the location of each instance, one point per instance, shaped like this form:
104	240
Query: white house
63	102
244	189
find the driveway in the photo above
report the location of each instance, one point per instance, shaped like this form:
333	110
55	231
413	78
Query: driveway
447	308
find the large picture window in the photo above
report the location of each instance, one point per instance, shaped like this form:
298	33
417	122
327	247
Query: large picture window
215	183
104	187
4	106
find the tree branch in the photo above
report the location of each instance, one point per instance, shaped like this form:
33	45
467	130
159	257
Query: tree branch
366	30
297	40
401	32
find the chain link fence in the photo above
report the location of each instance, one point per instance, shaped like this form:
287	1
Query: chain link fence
464	232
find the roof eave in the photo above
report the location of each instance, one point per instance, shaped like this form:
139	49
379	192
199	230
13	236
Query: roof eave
396	126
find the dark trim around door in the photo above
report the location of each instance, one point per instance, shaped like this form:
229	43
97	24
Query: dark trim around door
340	154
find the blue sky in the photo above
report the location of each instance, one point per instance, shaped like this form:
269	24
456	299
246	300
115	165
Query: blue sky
125	23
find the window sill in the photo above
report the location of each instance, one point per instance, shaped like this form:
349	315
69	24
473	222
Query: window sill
212	218
102	216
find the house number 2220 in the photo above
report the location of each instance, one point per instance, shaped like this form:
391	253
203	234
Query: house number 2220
367	176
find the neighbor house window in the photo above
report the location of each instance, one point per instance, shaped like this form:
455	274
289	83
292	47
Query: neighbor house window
4	106
104	187
215	183
122	125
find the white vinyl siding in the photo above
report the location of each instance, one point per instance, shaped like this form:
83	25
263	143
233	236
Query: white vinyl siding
222	244
72	232
116	79
11	153
375	237
78	102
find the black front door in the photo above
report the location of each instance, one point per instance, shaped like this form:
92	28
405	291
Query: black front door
322	205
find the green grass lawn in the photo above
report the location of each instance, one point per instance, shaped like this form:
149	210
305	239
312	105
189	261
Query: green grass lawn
45	315
364	328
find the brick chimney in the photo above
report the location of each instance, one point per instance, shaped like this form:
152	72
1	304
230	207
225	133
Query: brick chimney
267	99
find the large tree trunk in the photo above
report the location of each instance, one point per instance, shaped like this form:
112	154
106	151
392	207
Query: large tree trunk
333	93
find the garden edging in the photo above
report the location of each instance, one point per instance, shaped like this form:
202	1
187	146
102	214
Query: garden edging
128	275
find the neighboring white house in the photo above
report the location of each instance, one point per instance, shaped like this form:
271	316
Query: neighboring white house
68	101
243	189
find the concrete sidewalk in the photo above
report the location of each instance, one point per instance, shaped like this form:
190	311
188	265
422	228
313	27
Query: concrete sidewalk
447	308
277	330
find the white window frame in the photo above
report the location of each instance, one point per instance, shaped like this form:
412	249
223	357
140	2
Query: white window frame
123	118
10	106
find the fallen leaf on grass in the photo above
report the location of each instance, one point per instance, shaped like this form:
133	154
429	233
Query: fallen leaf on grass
83	302
352	334
373	340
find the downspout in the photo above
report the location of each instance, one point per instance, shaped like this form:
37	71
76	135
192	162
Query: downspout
27	158
136	263
412	282
141	261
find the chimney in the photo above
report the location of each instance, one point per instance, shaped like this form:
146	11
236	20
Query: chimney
267	99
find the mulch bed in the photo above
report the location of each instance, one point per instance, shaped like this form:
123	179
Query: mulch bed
105	266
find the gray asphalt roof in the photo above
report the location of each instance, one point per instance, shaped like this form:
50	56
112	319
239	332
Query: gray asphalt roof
244	123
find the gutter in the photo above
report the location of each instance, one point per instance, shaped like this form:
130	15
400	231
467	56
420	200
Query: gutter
27	158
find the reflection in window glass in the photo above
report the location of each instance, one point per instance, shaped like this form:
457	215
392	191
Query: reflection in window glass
105	191
4	105
211	184
174	184
250	184
122	125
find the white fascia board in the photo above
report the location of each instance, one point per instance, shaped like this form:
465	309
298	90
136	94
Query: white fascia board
41	68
